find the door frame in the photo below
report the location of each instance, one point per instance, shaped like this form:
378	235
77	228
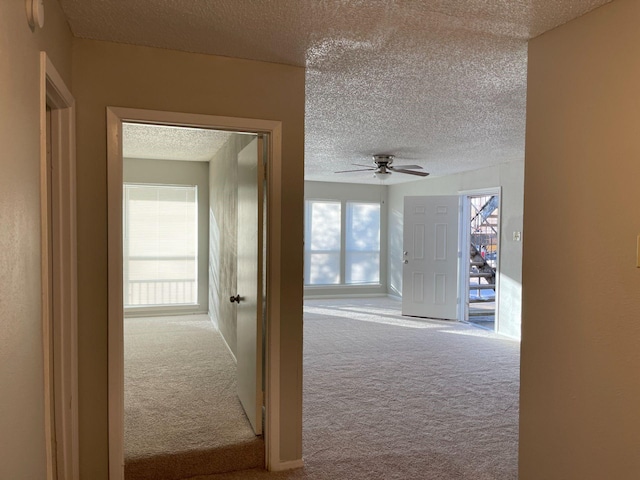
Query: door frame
272	221
465	245
59	274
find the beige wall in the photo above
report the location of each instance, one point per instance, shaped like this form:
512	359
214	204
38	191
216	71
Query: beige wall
580	383
107	74
21	372
223	213
508	176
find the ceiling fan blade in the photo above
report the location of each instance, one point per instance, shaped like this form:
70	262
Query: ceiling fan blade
406	167
411	172
360	165
357	170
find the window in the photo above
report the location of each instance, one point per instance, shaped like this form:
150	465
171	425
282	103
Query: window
160	245
322	247
362	260
342	243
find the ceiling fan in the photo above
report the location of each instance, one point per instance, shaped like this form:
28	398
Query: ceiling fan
384	167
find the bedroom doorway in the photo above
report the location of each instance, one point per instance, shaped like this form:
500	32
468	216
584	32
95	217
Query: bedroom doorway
119	119
190	354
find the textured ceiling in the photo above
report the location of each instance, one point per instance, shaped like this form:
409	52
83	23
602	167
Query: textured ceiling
161	142
440	83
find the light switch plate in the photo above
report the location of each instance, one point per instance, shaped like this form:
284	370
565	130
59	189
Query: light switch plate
517	236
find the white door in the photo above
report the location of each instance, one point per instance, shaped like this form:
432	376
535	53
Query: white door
430	257
249	294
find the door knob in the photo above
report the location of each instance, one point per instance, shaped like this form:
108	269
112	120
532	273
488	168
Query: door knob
235	299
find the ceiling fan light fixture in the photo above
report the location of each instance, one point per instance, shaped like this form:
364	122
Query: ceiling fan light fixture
382	173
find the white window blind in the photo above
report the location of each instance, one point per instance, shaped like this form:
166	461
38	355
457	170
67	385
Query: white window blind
322	245
362	254
160	246
342	249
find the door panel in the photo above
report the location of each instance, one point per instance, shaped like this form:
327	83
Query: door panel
249	262
430	269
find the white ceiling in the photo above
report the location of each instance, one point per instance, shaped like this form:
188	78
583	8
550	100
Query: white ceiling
439	83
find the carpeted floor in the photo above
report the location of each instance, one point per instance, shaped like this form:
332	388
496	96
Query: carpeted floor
182	414
390	397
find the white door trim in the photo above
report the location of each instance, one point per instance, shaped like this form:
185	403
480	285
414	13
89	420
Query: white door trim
465	246
59	278
272	128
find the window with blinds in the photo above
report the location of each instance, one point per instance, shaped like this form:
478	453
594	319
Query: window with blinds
160	245
342	243
322	243
362	256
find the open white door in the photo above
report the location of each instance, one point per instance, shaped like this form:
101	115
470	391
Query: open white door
430	248
249	294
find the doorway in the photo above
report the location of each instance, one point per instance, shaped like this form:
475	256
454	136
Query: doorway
438	281
181	334
58	264
480	224
271	147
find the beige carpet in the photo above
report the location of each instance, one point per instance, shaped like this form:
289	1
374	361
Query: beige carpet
388	397
182	414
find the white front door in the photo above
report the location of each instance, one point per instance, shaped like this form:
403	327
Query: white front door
249	261
430	256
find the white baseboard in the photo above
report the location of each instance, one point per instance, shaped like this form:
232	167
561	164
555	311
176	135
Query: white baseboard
345	295
290	465
392	296
213	319
143	312
224	340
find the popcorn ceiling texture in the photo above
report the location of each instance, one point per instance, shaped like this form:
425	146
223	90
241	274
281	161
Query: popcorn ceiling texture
159	142
440	83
